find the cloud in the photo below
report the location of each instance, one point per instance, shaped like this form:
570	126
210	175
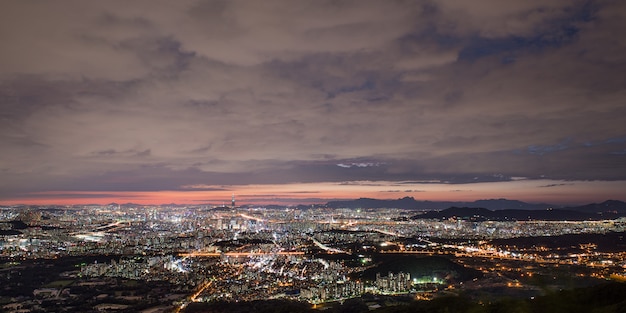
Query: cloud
50	39
541	150
555	185
203	187
492	18
360	164
159	95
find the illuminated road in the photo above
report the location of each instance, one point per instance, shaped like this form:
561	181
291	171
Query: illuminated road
386	232
203	287
238	254
258	219
194	296
327	248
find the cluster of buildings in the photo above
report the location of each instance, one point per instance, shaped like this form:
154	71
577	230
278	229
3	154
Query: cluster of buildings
393	283
334	291
255	253
140	268
253	278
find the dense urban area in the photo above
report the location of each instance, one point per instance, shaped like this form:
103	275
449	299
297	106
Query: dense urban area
116	258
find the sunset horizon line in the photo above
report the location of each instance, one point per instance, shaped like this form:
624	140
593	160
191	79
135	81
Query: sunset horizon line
287	202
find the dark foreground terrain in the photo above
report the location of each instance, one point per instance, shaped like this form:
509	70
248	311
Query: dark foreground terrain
605	298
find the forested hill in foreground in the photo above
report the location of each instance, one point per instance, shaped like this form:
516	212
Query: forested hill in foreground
601	299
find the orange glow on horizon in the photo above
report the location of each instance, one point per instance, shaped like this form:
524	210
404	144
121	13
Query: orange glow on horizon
581	192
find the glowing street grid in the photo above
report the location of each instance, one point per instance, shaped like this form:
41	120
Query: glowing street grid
316	255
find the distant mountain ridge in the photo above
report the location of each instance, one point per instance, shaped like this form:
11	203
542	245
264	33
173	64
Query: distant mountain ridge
493	209
412	204
610	209
608	206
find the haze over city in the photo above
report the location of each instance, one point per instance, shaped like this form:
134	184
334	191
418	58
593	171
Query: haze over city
292	102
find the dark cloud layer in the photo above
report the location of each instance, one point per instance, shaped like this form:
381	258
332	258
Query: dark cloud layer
156	95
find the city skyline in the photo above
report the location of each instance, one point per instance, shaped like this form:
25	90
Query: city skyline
296	102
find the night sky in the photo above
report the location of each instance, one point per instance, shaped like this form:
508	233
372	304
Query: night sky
303	101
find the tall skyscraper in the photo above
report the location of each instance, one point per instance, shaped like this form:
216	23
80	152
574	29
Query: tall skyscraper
233	201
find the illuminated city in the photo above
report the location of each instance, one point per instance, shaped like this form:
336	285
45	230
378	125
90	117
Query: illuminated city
313	156
317	255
